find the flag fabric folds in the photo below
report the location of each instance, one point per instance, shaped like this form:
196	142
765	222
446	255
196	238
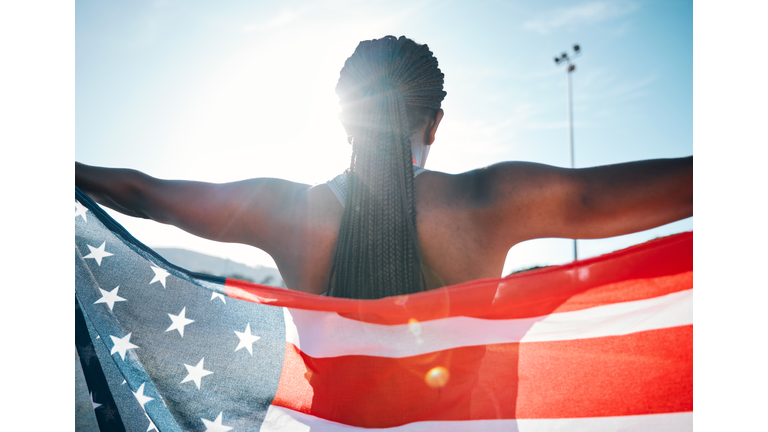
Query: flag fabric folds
601	344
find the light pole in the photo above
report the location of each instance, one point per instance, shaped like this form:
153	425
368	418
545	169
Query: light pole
564	59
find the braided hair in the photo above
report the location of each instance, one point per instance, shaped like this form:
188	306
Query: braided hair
385	85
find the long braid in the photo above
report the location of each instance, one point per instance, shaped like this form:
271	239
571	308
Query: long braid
385	80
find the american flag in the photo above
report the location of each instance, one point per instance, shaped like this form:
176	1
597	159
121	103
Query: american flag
601	344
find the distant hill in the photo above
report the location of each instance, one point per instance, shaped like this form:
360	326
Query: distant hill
202	263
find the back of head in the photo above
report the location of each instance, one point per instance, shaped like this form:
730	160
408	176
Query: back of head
388	88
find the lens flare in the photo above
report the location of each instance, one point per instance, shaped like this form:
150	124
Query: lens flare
437	377
414	326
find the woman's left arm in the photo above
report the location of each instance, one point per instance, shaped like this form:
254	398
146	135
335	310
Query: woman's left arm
526	201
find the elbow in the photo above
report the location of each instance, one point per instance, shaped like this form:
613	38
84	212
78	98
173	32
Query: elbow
129	194
138	195
137	201
587	202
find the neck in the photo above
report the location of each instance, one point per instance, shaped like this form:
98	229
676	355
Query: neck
420	152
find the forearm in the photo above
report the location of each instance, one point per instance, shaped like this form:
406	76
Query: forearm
118	189
630	197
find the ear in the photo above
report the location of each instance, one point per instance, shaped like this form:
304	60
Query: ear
431	130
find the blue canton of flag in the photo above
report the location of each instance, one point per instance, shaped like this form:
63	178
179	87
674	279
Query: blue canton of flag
162	348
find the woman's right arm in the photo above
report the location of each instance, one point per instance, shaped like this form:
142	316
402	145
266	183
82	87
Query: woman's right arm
123	190
254	211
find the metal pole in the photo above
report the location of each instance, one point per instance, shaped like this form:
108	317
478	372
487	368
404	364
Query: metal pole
563	58
570	126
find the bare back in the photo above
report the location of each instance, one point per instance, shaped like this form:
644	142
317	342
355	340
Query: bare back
468	222
452	240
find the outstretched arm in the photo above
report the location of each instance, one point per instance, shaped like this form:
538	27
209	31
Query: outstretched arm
249	211
538	201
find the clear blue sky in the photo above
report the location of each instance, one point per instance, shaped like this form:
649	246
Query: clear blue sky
222	91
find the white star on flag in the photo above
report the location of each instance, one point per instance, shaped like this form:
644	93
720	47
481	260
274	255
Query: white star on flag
80	210
160	275
196	373
95	405
215	426
151	425
179	321
219	296
122	345
140	396
98	253
109	297
246	339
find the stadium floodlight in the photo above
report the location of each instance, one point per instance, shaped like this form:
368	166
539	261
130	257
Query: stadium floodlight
571	67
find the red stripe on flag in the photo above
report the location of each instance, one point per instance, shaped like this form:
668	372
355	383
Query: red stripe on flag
641	373
654	267
294	390
625	291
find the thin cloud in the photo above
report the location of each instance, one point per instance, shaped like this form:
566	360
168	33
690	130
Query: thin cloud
602	87
588	13
635	89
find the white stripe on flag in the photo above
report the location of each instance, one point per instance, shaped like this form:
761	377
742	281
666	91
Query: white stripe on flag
291	333
327	334
279	419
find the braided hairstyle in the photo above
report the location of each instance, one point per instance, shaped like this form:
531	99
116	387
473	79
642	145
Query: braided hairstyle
383	86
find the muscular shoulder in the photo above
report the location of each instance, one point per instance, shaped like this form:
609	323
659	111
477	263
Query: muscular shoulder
503	203
495	185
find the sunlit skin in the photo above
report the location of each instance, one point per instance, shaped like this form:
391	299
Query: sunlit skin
466	222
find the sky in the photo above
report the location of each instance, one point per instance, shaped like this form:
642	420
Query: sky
224	91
